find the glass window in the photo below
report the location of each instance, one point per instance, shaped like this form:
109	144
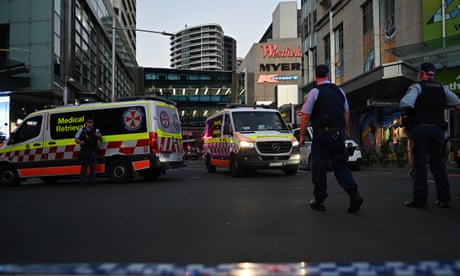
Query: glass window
28	130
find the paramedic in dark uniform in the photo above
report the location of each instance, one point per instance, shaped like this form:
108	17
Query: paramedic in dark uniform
424	105
327	109
88	138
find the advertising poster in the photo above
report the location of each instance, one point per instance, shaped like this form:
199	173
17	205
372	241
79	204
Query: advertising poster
387	39
432	18
368	52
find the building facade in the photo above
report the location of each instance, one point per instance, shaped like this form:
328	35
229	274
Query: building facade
197	93
63	52
271	73
203	47
374	48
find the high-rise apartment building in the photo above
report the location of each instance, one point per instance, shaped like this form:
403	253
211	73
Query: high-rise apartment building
202	47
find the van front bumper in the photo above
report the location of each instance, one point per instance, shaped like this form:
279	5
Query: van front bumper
252	160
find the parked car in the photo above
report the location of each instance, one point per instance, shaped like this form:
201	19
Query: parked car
192	153
352	150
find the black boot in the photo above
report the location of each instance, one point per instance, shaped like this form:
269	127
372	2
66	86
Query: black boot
355	201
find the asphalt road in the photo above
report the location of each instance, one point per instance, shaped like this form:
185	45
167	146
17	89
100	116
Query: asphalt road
192	216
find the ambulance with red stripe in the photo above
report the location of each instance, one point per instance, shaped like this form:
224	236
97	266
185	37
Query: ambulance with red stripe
247	138
140	135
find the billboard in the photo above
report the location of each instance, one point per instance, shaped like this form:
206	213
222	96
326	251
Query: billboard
432	18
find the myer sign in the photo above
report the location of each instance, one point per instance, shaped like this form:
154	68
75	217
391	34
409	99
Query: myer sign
449	77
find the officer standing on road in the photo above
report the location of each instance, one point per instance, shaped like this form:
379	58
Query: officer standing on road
327	109
424	105
88	138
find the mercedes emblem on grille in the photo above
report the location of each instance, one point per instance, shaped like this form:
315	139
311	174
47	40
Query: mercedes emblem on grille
276	147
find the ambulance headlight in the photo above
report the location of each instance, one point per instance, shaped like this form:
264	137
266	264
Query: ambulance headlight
246	144
295	143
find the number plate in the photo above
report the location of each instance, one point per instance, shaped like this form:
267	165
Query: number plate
276	164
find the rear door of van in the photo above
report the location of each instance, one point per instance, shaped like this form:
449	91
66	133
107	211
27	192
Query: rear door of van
167	129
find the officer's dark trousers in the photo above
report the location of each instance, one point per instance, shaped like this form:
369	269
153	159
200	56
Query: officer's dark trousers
428	146
88	159
327	145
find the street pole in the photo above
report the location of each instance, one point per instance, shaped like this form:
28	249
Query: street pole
114	29
65	97
66	92
114	67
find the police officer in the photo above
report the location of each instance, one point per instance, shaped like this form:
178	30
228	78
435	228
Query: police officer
88	139
424	105
327	109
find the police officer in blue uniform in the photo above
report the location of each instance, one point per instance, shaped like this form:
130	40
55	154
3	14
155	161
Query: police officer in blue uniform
423	106
327	109
88	138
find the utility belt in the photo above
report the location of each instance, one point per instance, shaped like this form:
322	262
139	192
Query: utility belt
335	132
327	129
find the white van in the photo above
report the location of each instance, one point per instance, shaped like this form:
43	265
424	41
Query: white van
139	135
353	155
243	138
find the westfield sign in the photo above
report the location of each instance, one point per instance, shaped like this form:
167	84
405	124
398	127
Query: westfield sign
272	51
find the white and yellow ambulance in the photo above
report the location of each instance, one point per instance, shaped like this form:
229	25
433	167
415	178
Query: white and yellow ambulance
247	138
139	135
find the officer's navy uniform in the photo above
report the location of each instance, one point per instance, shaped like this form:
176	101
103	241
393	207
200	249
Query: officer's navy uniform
427	128
328	122
88	154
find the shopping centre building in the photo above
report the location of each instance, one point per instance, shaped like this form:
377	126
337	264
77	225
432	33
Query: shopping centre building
374	48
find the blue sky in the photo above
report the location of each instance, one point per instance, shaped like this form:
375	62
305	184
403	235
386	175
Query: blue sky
244	20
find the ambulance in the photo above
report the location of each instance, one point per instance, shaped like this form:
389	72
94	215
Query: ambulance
245	138
140	134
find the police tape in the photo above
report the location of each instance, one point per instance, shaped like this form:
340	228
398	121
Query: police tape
302	268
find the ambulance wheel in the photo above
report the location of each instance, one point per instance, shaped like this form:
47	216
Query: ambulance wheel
9	176
290	170
119	171
210	167
235	168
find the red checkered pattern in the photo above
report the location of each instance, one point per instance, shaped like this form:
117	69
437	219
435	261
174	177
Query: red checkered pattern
72	151
105	149
222	148
170	145
41	154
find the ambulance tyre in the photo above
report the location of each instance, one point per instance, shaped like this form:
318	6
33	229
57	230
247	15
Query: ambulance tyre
119	171
9	176
290	170
209	167
235	169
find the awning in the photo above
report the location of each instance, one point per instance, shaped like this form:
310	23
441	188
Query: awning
12	67
8	70
443	53
384	86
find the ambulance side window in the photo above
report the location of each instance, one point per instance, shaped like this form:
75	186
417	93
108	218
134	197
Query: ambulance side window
227	125
28	129
215	127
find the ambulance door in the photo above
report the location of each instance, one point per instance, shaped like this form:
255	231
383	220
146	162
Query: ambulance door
227	136
26	145
215	138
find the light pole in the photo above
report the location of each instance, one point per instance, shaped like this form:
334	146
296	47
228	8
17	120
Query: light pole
66	89
114	67
114	28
